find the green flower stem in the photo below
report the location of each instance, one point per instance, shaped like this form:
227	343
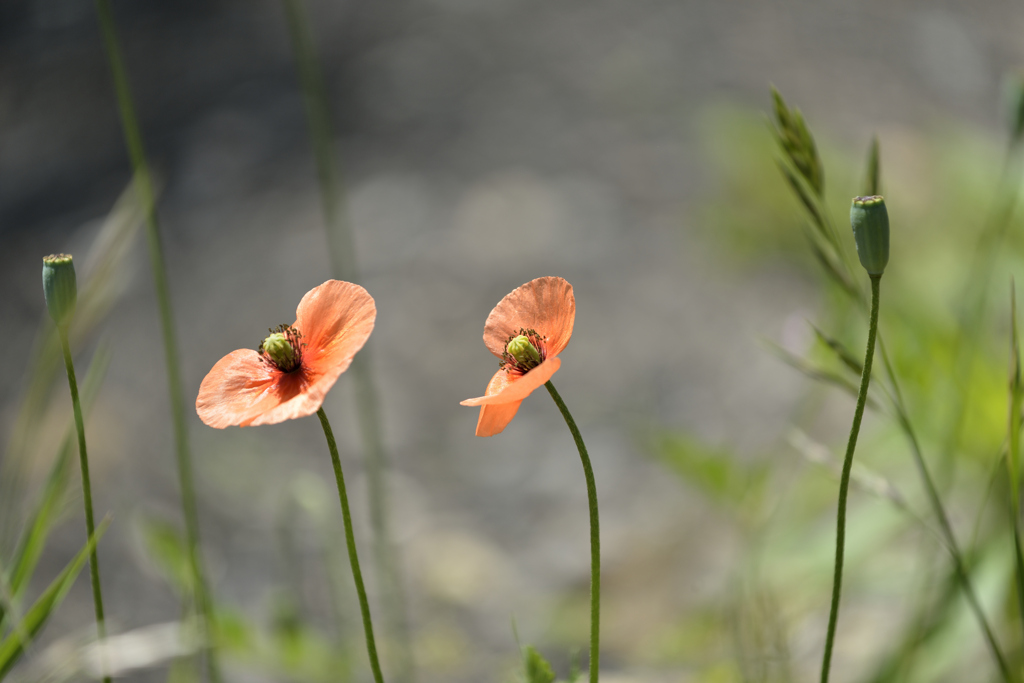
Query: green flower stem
1013	448
963	576
961	572
144	187
341	248
595	536
350	539
90	524
844	481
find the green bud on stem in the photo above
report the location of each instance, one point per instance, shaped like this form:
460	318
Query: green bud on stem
525	353
60	287
870	222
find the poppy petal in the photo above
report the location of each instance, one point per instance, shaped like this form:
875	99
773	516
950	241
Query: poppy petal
242	390
335	320
504	389
494	419
546	305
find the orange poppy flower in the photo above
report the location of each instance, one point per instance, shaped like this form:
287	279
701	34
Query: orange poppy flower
526	330
295	366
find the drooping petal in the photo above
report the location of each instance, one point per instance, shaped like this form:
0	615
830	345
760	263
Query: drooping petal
242	390
546	304
335	320
505	388
494	418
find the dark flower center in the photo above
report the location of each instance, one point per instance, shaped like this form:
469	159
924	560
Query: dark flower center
282	349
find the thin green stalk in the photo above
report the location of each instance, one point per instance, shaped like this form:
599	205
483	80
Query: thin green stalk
1016	399
90	525
341	248
992	234
962	572
1013	450
350	540
844	482
144	187
595	536
926	622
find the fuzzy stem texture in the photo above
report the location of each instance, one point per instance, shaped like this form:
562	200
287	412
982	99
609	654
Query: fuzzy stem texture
83	456
844	481
595	536
350	540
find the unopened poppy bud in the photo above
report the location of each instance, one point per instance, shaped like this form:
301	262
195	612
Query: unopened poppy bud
60	287
280	350
525	353
870	222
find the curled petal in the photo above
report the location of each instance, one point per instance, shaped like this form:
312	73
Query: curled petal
546	304
494	418
335	320
242	390
504	388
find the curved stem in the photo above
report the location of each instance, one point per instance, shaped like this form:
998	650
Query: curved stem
90	524
350	540
844	482
595	536
961	569
341	249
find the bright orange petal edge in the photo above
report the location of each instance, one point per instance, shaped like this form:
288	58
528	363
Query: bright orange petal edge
504	389
335	320
494	418
546	305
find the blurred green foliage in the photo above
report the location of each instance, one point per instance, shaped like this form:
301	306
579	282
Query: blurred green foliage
536	668
30	510
23	630
945	321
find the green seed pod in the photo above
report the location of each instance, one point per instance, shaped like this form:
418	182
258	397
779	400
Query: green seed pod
870	223
280	350
60	287
524	352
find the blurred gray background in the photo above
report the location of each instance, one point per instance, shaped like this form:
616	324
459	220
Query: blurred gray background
483	143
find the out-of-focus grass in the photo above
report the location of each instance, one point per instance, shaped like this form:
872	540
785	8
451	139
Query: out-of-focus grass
344	265
50	505
30	511
24	629
904	618
290	644
104	278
